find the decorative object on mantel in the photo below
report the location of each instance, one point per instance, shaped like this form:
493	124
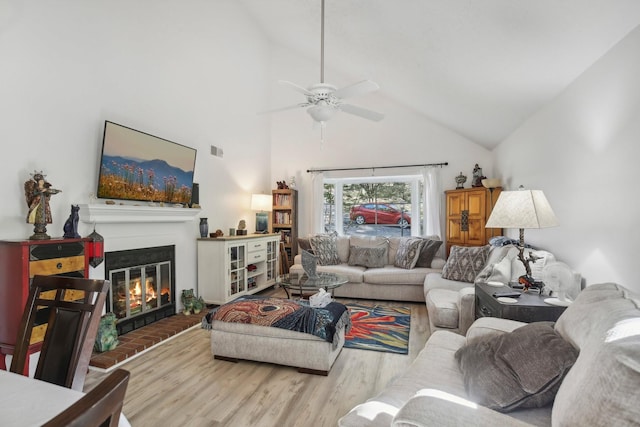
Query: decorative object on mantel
70	227
38	192
204	227
477	176
309	264
242	228
523	209
460	180
95	248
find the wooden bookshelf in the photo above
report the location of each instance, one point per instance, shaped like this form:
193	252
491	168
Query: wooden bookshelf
284	220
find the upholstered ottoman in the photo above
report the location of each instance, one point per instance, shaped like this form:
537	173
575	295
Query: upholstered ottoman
239	332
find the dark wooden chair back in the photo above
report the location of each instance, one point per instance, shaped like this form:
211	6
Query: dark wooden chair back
284	260
71	308
100	407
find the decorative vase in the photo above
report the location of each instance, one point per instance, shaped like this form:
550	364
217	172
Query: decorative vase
204	227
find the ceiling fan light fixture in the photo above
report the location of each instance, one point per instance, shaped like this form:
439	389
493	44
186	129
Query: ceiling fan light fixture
321	112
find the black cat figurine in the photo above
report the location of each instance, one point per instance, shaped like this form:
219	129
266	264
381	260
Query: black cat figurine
71	225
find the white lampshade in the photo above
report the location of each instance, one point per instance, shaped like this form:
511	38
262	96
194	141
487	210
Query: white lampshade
522	209
261	202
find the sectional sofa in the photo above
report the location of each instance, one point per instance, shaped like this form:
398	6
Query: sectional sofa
388	282
602	387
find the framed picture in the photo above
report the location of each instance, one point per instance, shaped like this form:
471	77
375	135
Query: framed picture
262	222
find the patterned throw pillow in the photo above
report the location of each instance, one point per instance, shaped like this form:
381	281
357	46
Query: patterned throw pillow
428	252
325	248
367	257
408	252
465	262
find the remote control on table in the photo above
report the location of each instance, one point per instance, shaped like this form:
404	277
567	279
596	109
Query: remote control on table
511	294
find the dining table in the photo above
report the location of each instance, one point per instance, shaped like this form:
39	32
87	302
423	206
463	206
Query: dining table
25	401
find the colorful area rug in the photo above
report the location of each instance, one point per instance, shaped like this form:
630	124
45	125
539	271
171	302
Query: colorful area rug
379	328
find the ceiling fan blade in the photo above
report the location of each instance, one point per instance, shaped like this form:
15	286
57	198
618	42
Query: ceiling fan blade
362	112
356	89
290	107
296	87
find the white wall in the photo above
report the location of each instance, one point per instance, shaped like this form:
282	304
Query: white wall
583	151
403	137
152	65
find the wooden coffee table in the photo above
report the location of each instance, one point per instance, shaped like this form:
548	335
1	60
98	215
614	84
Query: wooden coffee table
304	283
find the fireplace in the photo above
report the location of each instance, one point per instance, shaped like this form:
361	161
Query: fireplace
142	286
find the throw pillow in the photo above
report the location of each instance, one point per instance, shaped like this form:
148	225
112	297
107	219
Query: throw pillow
367	257
408	252
465	262
428	252
520	369
325	248
304	244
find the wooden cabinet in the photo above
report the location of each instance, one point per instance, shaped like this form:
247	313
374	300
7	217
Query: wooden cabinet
20	260
467	212
285	220
229	267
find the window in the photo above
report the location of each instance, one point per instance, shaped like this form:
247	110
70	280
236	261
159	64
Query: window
374	206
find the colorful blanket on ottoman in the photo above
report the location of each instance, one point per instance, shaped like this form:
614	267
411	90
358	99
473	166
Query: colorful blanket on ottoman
285	314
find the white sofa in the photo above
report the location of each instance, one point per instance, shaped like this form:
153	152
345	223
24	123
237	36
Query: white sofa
386	283
601	389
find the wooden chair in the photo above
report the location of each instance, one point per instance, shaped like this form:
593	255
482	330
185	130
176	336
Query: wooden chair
100	407
71	308
284	260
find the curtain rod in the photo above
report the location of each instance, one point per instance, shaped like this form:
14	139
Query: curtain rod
378	167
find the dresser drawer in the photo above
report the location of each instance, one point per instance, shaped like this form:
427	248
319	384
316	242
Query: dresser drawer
49	267
256	246
256	256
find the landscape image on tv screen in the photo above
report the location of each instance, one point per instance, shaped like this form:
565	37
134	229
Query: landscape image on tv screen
138	166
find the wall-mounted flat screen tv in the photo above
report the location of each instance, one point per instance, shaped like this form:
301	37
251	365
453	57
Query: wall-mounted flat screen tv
137	166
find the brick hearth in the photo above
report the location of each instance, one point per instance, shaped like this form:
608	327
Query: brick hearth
144	338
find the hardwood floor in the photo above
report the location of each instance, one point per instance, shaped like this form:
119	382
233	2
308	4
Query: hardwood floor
179	383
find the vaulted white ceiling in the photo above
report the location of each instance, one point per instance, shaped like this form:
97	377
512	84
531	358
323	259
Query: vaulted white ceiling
478	67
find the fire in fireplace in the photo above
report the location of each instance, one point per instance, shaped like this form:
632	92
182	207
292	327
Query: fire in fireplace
142	286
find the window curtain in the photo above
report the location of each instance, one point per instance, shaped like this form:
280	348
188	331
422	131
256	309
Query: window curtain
431	201
317	221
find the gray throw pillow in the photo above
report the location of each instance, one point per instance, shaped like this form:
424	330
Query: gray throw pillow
428	252
367	257
465	262
520	369
304	243
408	252
325	248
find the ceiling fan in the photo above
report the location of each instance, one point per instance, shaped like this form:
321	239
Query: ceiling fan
324	99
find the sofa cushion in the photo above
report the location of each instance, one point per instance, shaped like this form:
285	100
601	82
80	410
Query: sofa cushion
390	275
304	244
325	248
498	266
353	272
465	262
520	369
367	257
428	252
408	252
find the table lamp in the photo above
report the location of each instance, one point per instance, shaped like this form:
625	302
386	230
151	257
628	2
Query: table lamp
522	209
262	204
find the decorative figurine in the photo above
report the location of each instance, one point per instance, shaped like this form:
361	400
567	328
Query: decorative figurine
71	225
282	185
477	176
460	180
38	192
107	335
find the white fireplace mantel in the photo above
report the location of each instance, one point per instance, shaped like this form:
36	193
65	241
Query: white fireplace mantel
103	213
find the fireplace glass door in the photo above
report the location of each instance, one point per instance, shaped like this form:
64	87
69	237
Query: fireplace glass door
140	289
